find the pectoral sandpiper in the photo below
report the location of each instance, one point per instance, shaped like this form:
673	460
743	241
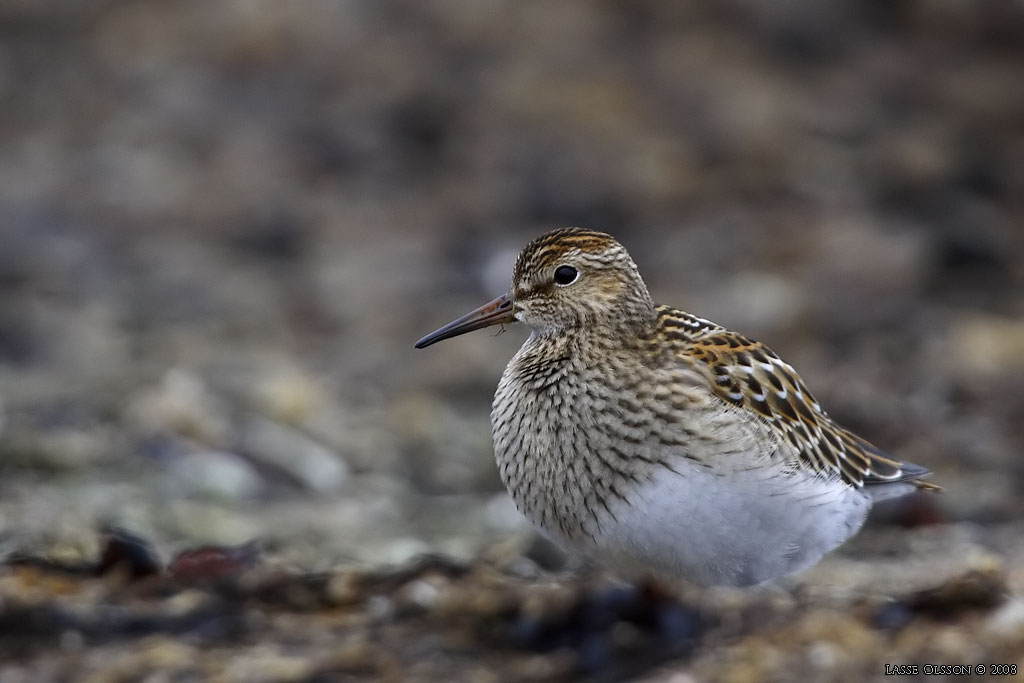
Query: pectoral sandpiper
660	442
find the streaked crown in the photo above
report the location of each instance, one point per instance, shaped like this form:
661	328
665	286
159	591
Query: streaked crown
572	277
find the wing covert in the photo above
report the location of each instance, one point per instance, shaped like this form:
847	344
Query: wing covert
749	375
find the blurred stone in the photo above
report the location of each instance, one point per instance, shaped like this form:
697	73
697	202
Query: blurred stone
420	594
398	551
214	475
288	396
344	588
549	556
128	554
213	562
60	447
971	246
209	522
986	345
978	589
182	403
308	462
352	429
1008	620
892	616
502	516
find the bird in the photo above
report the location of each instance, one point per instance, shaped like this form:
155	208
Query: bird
659	443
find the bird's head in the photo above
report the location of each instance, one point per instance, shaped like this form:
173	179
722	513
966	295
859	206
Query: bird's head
566	279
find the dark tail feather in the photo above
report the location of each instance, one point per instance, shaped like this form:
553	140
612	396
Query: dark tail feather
885	469
909	473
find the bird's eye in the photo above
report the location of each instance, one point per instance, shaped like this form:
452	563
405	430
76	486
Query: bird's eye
565	275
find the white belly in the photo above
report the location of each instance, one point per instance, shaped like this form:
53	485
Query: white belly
741	529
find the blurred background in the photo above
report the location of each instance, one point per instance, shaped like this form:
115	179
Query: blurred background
224	224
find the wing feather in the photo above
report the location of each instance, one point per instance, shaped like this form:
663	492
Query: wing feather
748	374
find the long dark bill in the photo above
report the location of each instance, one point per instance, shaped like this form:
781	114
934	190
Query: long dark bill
495	312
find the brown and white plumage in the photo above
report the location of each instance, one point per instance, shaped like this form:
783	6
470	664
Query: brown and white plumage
660	441
749	375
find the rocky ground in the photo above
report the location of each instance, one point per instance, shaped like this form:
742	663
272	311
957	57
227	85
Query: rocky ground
222	226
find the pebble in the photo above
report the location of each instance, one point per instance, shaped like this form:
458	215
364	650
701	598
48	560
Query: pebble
288	395
1008	620
502	516
67	447
183	404
216	475
308	462
987	345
